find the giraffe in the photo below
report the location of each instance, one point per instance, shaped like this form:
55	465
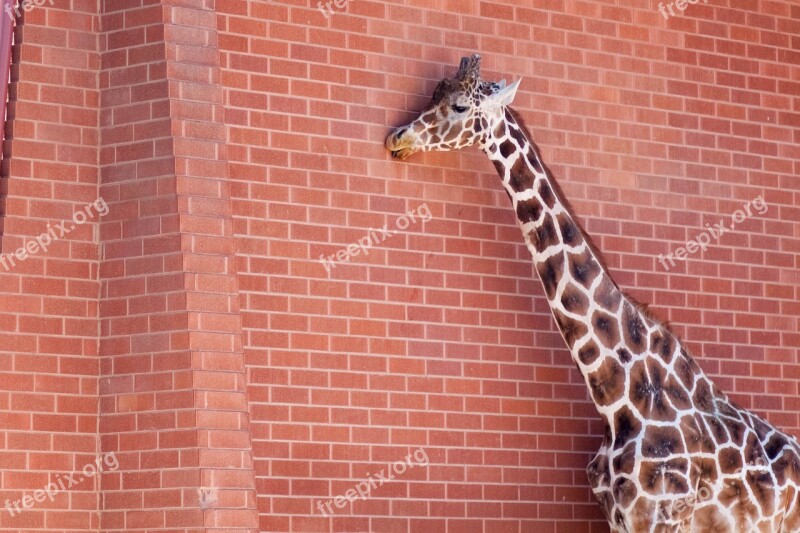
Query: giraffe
677	454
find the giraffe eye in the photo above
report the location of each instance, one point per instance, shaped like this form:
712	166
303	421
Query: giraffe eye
459	108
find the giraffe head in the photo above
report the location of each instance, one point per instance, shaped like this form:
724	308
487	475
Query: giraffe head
459	115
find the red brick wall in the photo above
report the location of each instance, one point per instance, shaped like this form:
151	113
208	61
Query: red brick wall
441	337
195	334
49	301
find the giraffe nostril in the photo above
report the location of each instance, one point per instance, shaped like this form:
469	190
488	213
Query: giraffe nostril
399	133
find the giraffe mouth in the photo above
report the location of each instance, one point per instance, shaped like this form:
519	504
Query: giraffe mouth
402	154
400	148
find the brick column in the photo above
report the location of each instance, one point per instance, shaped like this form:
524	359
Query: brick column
48	285
204	206
173	387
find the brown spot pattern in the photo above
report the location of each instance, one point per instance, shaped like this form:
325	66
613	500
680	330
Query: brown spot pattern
647	393
703	472
605	328
761	486
546	194
676	394
684	372
574	300
507	148
598	472
662	343
759	426
696	436
589	353
736	430
633	328
775	445
534	161
529	210
716	429
500	130
607	295
787	466
570	233
625	462
550	272
708	519
730	460
607	382
518	136
545	235
521	178
625	491
661	442
584	268
703	400
501	170
663	477
626	427
571	329
735	496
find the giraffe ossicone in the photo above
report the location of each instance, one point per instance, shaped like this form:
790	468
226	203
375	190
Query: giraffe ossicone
677	455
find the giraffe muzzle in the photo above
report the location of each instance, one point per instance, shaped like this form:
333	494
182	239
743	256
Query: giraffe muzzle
399	147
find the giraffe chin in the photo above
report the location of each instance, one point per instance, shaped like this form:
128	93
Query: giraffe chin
403	153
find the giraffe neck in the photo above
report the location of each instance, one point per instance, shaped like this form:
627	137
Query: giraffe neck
602	328
667	424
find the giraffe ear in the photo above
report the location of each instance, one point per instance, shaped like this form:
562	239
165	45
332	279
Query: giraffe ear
505	95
